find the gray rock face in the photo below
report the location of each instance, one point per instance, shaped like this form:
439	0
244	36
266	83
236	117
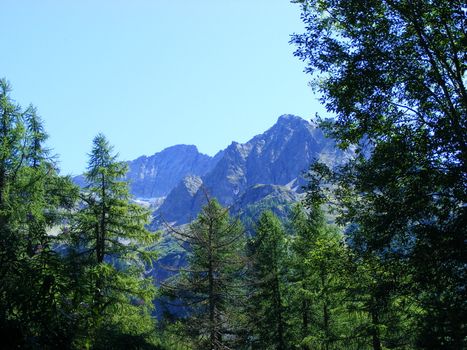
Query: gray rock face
185	177
277	157
157	175
180	205
260	192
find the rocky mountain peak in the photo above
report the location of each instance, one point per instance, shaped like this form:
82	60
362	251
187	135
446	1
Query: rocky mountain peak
277	157
157	175
182	148
290	119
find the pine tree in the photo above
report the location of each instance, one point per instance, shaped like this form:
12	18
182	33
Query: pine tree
11	151
375	284
319	278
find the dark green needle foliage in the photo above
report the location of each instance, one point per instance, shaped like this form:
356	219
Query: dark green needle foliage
268	318
72	265
304	233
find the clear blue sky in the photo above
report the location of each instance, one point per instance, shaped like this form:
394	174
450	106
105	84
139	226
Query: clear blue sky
153	73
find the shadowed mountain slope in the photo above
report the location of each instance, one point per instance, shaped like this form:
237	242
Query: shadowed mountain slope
279	156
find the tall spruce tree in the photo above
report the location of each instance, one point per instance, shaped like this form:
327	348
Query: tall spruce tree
380	312
333	325
43	201
11	152
304	232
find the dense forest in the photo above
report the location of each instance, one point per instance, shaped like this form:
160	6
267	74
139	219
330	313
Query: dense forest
373	257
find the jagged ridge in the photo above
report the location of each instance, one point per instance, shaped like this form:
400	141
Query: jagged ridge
277	157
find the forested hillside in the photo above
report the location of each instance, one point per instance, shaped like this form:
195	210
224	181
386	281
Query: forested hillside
347	232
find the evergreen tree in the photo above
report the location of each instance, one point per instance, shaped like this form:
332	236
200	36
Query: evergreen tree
11	151
320	277
375	292
333	324
373	283
33	200
210	286
268	300
304	232
107	245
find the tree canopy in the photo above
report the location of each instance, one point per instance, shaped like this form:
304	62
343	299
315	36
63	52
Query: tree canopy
393	74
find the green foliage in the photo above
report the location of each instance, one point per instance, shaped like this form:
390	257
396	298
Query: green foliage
267	280
321	277
393	72
252	212
210	285
33	199
107	246
175	336
72	272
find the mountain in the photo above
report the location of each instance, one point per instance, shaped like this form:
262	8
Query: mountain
278	157
181	204
155	176
265	171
